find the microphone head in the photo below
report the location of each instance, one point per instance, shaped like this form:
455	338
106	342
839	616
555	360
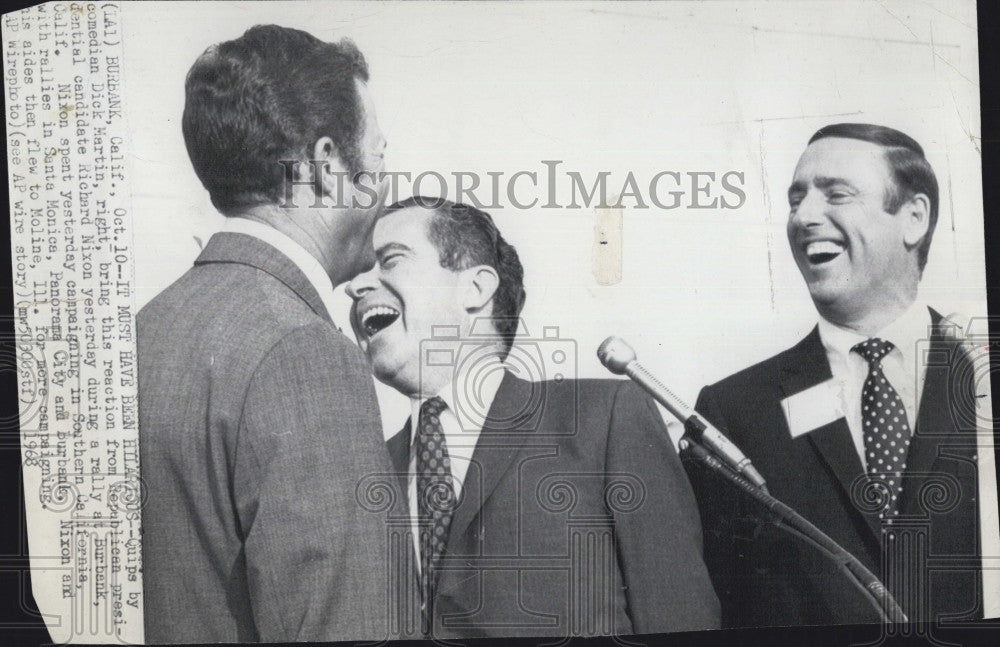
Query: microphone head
952	329
615	354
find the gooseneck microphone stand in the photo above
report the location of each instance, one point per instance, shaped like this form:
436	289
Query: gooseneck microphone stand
791	521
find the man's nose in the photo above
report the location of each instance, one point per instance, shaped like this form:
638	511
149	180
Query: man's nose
809	212
361	284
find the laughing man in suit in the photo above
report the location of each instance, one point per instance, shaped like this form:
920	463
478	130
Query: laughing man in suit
549	508
863	426
257	416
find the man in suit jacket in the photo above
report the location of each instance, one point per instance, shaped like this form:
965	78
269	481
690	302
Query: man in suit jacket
549	508
257	416
867	426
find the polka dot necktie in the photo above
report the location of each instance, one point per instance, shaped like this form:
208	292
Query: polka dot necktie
436	498
886	431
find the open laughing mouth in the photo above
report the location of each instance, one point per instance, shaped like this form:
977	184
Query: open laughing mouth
823	251
377	318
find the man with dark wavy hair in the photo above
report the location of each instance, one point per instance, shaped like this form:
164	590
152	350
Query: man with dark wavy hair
257	416
535	508
864	426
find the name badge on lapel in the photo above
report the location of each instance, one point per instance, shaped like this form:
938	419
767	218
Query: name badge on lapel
813	408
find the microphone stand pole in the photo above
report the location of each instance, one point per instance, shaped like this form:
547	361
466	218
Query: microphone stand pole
797	525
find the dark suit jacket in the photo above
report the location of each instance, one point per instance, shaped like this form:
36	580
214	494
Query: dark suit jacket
257	421
575	519
927	557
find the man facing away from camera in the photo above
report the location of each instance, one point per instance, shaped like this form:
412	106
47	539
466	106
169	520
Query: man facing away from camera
257	415
867	426
548	508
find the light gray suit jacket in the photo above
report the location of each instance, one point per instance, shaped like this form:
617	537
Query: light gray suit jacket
258	421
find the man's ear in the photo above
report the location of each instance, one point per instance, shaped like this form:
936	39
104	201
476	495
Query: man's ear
916	214
482	282
329	165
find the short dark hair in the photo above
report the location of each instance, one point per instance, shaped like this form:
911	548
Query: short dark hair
464	237
911	172
264	97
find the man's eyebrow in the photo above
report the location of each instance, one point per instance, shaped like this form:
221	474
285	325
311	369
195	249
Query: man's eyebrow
823	182
820	182
390	247
796	188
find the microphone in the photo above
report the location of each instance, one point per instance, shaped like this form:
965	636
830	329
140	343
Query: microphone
974	348
956	332
619	358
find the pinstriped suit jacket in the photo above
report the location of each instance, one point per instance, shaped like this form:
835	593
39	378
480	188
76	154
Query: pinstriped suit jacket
258	419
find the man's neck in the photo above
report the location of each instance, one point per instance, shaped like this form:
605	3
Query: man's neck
469	392
428	388
296	224
466	371
870	321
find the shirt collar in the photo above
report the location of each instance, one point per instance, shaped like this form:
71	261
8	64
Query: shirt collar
470	394
910	327
305	261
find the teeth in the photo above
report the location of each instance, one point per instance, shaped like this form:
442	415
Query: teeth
377	310
823	247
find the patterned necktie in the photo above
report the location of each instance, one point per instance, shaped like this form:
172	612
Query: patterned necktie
436	498
886	431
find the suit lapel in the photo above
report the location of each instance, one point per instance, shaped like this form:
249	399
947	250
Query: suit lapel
935	414
231	247
500	441
503	435
399	452
805	367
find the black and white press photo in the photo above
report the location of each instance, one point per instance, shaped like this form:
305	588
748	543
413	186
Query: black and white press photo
375	321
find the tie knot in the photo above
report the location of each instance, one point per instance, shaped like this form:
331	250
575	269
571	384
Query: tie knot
873	350
429	412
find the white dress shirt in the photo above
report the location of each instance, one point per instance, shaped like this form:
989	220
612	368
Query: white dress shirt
468	405
296	253
904	367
